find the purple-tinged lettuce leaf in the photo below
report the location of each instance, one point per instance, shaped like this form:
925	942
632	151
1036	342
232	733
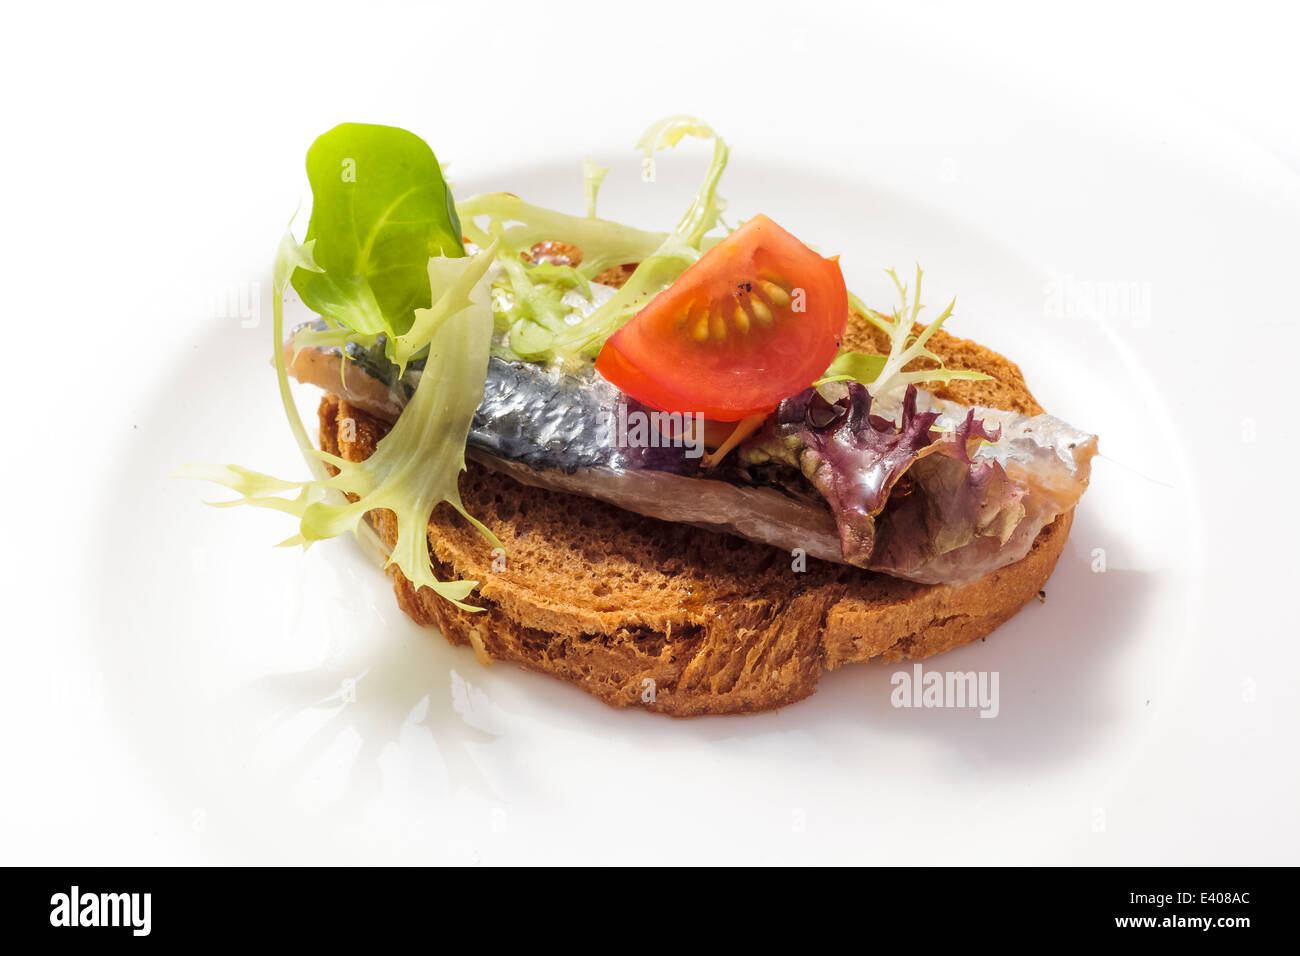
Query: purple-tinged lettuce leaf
853	458
953	504
907	498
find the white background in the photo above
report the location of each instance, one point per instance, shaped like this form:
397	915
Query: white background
153	154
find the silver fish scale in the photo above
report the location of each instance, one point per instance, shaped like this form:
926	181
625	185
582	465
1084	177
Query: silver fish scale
547	419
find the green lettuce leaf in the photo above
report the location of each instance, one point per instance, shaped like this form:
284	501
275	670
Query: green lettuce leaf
380	210
853	367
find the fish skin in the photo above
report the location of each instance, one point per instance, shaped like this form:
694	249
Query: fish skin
549	419
558	430
540	416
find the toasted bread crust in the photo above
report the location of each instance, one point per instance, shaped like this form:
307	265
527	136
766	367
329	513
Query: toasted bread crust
678	620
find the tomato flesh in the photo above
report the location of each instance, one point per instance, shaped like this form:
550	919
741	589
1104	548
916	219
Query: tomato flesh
757	319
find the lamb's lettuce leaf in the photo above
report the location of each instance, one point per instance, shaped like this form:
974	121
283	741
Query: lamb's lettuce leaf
380	210
854	367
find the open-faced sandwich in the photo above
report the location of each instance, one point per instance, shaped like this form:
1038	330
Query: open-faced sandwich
688	471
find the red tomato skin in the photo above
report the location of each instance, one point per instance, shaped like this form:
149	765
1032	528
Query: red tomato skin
741	372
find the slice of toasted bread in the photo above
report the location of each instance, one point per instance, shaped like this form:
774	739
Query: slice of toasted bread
679	620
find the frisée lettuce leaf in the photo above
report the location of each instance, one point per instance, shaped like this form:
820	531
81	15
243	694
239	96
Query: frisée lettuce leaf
888	373
534	317
906	347
678	251
415	467
858	367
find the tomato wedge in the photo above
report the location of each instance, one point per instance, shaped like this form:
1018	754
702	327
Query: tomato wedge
757	319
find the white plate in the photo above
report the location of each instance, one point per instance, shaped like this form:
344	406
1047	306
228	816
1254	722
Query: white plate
179	690
299	712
